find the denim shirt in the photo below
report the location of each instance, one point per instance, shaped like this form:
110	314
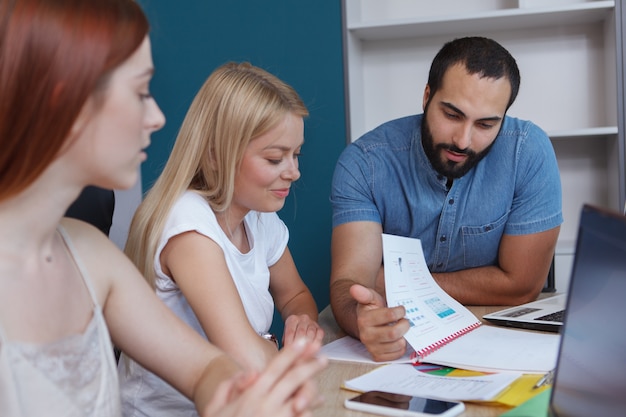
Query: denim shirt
385	177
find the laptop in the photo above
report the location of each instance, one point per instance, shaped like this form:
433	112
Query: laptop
546	314
590	377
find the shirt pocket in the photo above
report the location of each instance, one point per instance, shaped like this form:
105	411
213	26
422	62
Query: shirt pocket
481	243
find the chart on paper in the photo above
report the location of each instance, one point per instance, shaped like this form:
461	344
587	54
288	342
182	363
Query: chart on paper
408	282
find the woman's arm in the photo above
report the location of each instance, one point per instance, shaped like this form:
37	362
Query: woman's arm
147	331
199	268
139	323
294	301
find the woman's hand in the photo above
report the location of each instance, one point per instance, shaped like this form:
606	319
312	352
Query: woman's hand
299	326
284	388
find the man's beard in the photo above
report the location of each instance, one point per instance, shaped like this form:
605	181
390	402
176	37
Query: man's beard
447	168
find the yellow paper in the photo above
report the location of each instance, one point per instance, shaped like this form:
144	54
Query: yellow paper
536	407
520	390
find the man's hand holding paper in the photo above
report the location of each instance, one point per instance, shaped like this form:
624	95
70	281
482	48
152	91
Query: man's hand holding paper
381	329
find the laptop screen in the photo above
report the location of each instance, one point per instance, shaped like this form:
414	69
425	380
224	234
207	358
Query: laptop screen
590	379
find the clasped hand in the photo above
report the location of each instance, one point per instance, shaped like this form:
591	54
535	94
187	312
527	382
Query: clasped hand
301	326
285	388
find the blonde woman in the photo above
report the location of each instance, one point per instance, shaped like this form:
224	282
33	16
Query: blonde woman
207	236
76	110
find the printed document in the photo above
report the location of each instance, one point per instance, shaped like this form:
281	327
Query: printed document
406	380
444	332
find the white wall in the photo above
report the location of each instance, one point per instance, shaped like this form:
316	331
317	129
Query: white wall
126	202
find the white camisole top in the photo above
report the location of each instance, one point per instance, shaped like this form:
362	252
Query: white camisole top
74	376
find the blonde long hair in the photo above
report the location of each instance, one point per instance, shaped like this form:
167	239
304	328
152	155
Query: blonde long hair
237	103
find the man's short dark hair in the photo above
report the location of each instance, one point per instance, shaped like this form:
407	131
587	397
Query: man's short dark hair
479	55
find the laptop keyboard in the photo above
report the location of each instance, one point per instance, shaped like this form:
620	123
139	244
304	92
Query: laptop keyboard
556	316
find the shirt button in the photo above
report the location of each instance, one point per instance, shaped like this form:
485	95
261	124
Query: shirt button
442	239
440	264
451	201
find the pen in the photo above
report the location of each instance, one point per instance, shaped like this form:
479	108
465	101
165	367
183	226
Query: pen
546	379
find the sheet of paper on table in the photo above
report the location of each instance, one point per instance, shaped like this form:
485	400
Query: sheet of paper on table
349	349
496	349
407	380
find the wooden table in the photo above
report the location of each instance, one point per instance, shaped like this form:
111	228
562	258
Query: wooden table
330	379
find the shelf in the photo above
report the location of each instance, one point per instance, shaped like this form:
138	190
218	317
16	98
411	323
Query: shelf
565	247
583	133
496	20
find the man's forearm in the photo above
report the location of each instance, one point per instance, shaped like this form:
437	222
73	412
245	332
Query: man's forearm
521	273
344	306
487	285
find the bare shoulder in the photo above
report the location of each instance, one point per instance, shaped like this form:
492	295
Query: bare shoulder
78	229
87	239
103	260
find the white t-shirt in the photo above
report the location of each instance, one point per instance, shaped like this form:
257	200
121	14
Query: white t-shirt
143	393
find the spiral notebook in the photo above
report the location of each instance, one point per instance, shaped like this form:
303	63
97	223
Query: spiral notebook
444	332
435	317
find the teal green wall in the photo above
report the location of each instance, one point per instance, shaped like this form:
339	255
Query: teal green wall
298	41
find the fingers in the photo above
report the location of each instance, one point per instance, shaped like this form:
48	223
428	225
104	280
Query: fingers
306	397
315	334
382	317
382	333
285	388
245	380
381	329
290	357
302	327
298	382
367	296
384	351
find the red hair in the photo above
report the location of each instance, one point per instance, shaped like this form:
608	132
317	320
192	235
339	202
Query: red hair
54	54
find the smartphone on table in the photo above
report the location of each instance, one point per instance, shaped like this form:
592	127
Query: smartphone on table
397	405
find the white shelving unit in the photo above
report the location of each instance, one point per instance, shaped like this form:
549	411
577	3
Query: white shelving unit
567	54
